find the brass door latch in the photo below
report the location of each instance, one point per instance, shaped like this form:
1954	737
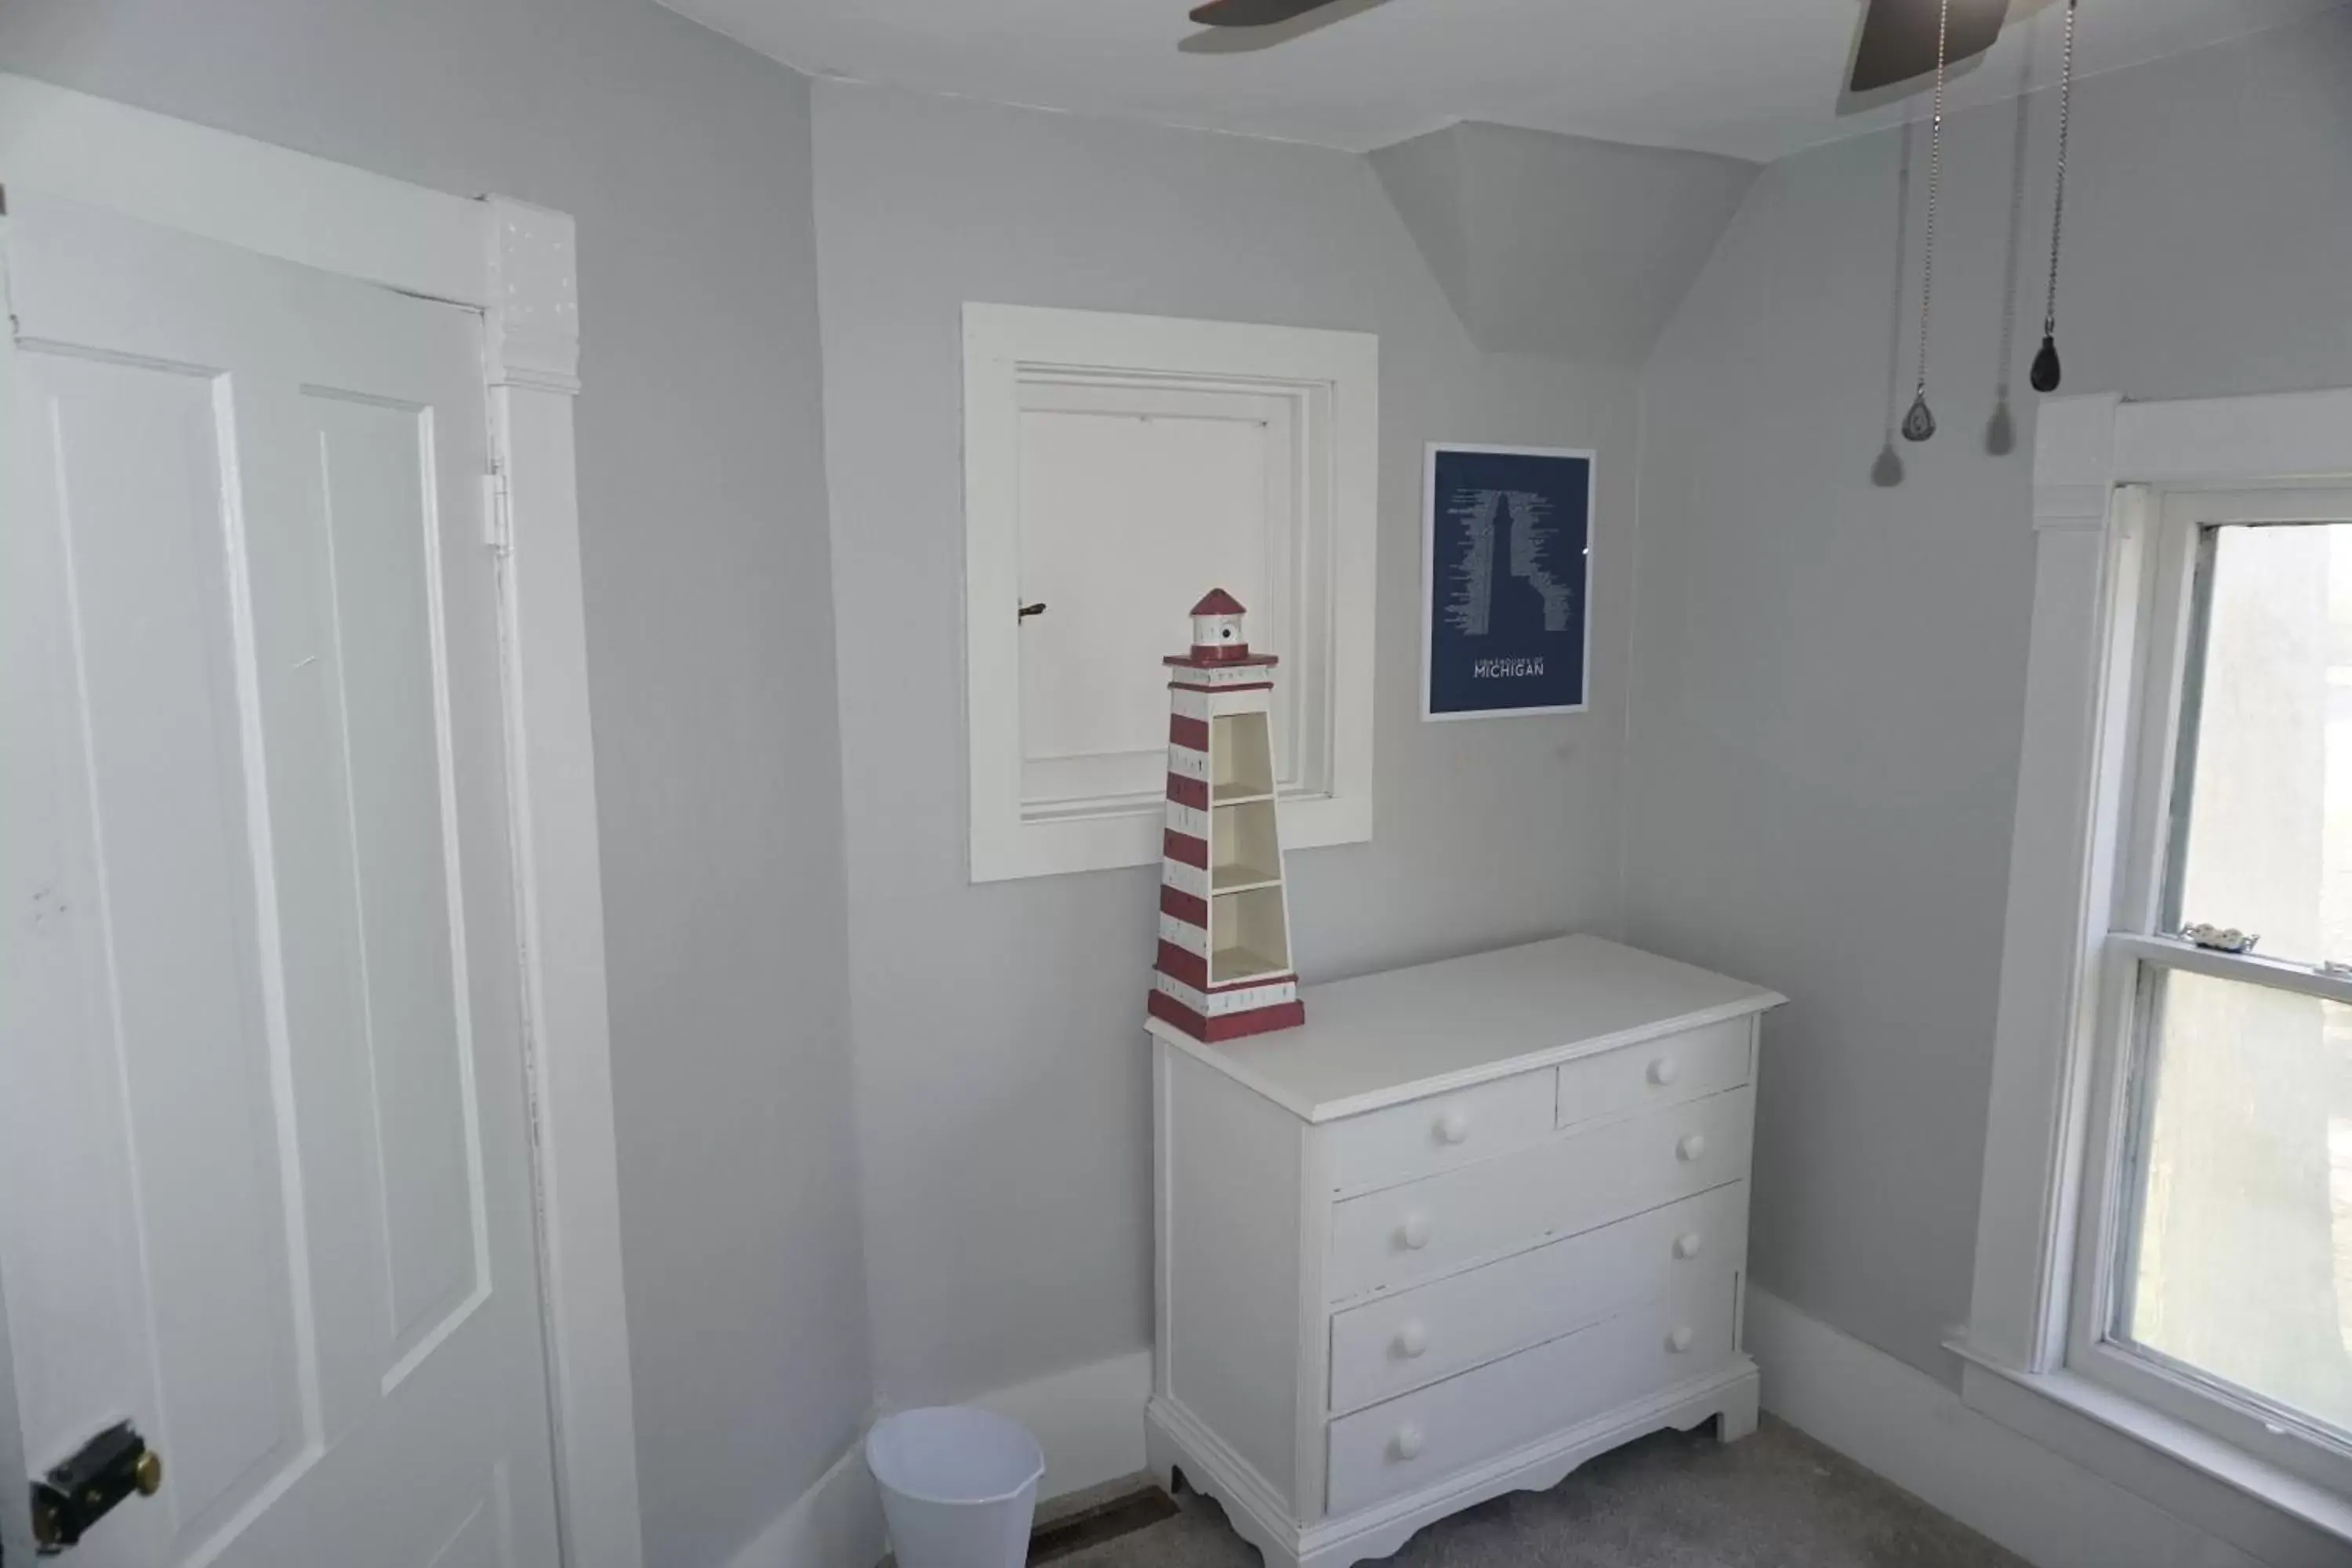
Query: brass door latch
84	1489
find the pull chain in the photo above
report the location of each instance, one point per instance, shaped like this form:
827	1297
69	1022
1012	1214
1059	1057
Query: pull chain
1919	423
2047	371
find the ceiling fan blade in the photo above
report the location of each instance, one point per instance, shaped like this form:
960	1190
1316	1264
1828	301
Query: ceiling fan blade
1897	42
1254	12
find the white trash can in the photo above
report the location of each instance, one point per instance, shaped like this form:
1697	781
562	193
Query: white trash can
959	1486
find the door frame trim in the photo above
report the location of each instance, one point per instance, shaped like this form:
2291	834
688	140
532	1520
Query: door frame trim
515	263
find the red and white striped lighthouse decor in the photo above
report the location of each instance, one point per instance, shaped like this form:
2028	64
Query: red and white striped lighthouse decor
1224	916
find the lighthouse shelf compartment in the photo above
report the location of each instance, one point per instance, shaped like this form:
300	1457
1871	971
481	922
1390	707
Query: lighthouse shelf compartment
1225	969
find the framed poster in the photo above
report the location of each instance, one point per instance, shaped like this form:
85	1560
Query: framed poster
1506	581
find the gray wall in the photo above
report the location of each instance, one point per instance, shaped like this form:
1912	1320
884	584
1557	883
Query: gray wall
1829	675
710	639
1001	1073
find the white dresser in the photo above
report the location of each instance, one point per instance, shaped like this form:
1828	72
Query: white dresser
1472	1225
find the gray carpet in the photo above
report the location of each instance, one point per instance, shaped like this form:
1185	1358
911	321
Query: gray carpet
1672	1500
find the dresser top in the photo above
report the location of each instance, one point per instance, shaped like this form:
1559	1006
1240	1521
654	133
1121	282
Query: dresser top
1404	1034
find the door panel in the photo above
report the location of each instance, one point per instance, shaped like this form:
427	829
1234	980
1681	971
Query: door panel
151	1028
484	1539
266	1192
372	479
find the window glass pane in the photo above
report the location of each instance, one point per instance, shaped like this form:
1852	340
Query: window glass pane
2238	1254
2267	846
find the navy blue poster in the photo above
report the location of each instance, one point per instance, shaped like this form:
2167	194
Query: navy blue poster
1507	581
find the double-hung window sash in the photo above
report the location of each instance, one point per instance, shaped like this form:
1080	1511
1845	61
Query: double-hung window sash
2214	1275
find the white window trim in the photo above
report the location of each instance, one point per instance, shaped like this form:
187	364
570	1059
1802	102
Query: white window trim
1335	376
2099	465
516	264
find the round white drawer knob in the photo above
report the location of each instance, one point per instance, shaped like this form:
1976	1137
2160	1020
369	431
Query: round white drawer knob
1665	1070
1454	1127
1413	1338
1692	1147
1414	1231
1410	1441
1680	1340
1686	1244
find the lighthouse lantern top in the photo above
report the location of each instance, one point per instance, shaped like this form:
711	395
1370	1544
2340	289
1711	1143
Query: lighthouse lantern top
1217	633
1217	627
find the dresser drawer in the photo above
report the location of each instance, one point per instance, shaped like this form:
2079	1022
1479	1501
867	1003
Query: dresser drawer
1571	1182
1688	1065
1398	1343
1419	1437
1438	1134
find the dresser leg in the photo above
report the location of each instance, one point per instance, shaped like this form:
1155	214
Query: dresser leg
1736	1419
1163	1461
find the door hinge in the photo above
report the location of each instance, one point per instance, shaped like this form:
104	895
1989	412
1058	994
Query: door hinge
8	285
531	1095
498	513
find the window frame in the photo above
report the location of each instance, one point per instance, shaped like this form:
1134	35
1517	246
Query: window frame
2105	469
2172	556
1329	380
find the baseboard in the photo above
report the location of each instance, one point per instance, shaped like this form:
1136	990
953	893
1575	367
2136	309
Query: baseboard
1088	1419
836	1524
1890	1417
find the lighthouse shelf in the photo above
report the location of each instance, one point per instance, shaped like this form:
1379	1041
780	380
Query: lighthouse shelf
1224	915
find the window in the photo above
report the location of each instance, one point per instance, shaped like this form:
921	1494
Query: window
2214	1262
1117	468
2161	1283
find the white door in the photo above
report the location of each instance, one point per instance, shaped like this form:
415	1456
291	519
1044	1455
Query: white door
264	1184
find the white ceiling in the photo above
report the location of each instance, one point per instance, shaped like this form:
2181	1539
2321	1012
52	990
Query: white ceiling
1756	78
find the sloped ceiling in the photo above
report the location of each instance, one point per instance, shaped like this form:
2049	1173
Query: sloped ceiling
1561	245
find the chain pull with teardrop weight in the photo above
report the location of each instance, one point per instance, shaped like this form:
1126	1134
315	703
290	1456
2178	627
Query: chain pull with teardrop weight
2047	371
1919	423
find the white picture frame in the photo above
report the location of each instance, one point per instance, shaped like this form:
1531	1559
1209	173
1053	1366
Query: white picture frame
1569	471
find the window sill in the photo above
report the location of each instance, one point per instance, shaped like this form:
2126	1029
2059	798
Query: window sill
2192	1473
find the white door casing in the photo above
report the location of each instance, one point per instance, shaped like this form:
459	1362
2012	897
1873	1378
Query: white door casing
269	1187
455	1240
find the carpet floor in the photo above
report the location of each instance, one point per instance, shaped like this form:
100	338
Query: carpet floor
1674	1500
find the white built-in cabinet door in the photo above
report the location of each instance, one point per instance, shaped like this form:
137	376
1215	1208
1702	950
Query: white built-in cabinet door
265	1186
1134	502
